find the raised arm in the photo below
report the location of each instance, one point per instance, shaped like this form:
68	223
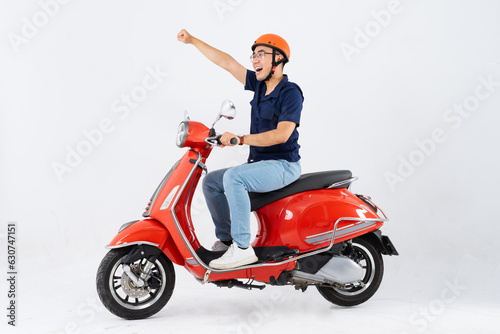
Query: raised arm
218	57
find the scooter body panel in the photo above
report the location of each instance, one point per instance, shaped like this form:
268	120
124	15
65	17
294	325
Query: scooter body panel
259	273
306	221
172	208
151	232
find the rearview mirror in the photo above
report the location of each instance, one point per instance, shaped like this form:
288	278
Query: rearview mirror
227	110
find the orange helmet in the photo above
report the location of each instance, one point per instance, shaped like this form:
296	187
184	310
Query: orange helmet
276	42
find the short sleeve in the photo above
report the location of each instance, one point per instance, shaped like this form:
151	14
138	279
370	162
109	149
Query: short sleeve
251	81
291	104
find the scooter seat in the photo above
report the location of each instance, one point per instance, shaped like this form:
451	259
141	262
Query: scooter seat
307	182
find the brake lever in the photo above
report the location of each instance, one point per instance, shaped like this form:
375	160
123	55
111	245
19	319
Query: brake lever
215	140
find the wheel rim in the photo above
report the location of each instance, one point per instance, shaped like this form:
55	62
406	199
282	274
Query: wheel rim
366	261
132	297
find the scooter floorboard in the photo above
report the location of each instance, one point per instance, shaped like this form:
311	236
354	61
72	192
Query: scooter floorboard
265	254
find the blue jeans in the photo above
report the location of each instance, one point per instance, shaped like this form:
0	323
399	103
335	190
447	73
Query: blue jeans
226	192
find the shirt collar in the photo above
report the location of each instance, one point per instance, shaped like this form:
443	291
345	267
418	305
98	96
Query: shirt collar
276	92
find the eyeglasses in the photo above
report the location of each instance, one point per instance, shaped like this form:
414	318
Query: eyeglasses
259	55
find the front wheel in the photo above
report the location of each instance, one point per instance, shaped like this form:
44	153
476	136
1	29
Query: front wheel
119	294
370	259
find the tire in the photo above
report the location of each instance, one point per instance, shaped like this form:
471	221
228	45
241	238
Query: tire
122	298
370	259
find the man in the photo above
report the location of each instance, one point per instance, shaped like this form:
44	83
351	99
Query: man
274	157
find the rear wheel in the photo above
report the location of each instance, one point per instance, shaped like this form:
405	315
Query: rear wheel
370	259
119	294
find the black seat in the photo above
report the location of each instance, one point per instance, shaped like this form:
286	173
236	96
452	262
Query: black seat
306	182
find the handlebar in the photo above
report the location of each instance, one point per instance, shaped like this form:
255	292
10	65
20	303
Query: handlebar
215	141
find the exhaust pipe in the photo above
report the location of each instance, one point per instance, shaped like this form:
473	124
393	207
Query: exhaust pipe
340	270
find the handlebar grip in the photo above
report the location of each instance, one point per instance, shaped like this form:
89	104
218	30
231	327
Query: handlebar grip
233	141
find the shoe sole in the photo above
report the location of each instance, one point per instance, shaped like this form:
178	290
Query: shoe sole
220	250
240	263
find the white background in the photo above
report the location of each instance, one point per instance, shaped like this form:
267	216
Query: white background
384	111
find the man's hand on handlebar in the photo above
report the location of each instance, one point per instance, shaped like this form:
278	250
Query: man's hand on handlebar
229	139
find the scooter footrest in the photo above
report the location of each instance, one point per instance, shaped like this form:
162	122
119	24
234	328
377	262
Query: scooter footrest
235	283
274	253
280	256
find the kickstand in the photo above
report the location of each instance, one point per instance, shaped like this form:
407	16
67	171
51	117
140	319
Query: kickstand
249	284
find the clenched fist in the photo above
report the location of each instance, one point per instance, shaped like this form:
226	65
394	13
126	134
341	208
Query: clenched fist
185	37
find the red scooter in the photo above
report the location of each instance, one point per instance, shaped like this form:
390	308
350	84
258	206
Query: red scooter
311	232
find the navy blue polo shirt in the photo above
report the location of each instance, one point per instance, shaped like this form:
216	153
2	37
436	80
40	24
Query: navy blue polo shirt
283	104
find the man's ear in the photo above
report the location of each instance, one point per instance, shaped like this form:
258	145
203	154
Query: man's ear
278	57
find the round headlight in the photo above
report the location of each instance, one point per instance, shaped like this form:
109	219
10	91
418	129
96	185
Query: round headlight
182	133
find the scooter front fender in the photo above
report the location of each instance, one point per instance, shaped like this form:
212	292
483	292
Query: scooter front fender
147	232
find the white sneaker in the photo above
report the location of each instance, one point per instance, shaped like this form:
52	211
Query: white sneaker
219	246
234	257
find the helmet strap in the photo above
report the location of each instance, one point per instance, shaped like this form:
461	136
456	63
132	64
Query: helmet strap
274	65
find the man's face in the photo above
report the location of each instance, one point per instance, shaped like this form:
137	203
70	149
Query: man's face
263	61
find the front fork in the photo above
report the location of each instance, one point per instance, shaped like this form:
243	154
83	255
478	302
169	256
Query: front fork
137	253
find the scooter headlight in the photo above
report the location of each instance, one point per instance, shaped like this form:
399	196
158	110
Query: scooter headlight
182	134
